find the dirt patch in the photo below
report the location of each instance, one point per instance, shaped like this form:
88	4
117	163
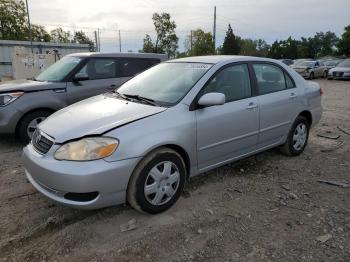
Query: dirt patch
268	207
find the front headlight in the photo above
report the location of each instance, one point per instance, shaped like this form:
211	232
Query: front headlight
90	148
8	98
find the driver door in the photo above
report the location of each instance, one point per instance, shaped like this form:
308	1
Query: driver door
98	75
227	131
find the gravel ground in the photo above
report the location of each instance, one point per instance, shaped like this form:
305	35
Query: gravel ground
268	207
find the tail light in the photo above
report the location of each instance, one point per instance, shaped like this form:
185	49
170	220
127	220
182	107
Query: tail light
321	92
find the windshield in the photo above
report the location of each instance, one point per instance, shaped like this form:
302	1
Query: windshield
331	63
344	64
166	83
307	64
59	70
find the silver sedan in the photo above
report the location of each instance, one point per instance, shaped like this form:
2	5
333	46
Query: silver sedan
142	142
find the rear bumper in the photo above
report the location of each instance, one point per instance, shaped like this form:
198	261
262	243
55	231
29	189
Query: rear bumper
9	117
55	179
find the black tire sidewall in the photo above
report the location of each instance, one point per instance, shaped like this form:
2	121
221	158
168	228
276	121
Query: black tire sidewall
141	179
23	125
300	119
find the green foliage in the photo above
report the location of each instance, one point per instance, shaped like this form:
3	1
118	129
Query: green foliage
232	43
81	38
60	36
166	39
39	33
344	42
13	20
148	46
250	47
202	43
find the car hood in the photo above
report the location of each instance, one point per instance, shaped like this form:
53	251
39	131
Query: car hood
299	68
341	69
29	85
94	116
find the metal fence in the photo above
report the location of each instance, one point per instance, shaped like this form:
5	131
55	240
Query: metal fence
7	52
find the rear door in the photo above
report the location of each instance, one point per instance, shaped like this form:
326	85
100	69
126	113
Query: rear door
129	67
227	131
97	76
278	102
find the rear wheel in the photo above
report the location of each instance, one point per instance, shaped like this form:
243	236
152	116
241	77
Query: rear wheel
297	137
325	74
29	123
312	76
157	182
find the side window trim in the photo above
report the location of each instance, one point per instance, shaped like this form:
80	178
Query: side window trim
251	63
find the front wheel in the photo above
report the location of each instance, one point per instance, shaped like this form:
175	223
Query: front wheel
157	182
297	137
28	124
312	76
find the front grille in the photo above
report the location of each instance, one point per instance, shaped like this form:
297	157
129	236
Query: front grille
338	74
41	142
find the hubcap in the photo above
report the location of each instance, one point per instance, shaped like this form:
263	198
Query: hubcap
162	183
33	124
299	137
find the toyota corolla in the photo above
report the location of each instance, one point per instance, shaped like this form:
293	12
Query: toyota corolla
142	142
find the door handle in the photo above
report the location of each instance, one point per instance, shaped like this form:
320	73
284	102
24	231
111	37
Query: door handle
113	86
292	95
252	105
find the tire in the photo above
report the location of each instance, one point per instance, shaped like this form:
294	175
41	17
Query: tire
312	76
292	147
157	199
325	75
27	123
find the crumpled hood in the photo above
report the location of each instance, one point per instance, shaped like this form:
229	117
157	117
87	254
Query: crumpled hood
29	85
94	116
340	69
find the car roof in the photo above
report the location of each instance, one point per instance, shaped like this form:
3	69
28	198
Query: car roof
133	55
215	59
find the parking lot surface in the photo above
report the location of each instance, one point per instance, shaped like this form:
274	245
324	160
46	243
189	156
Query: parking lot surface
267	207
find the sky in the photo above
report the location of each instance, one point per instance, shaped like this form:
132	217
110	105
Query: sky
266	19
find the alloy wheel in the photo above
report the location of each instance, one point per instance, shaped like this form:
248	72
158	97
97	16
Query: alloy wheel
299	137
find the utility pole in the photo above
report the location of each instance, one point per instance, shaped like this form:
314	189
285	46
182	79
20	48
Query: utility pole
191	44
30	29
214	29
120	42
98	39
96	42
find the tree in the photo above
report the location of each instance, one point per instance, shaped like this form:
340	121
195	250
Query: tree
344	42
60	36
39	33
202	43
166	39
81	38
231	45
13	20
148	46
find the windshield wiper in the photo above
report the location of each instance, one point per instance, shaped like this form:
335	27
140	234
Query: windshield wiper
141	98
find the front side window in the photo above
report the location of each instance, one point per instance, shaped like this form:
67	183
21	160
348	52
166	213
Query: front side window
270	78
131	66
165	83
59	70
233	82
103	68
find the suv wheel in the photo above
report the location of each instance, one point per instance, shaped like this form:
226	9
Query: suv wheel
157	182
29	123
297	137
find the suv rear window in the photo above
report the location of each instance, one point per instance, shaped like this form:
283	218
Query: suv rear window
132	66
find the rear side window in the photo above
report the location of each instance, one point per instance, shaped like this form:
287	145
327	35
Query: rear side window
99	69
271	78
233	82
130	67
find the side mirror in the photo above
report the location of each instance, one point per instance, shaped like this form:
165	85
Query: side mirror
212	99
77	79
